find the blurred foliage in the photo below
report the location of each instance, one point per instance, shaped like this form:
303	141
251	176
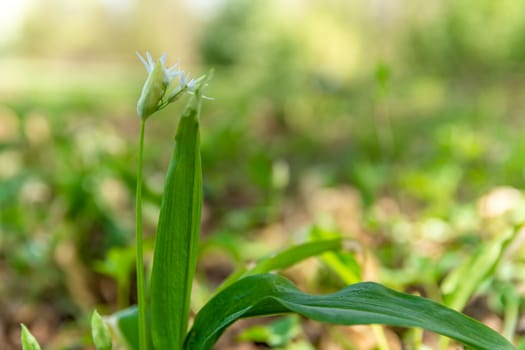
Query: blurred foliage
398	123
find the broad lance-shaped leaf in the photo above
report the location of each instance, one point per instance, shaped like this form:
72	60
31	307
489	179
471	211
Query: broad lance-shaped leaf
361	303
178	234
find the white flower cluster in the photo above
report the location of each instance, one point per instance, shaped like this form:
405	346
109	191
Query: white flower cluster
163	85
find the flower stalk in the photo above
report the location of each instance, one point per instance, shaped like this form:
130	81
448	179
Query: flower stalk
140	249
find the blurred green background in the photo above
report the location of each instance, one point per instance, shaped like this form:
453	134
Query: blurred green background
397	123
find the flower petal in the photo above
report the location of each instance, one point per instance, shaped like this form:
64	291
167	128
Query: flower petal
146	65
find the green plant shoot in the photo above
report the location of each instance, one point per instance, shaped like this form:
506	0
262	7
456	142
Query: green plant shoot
100	332
29	342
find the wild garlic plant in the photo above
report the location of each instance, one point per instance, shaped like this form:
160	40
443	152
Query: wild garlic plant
164	85
162	324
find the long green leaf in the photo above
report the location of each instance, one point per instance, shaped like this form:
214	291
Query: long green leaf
343	264
285	259
362	303
296	254
463	282
177	236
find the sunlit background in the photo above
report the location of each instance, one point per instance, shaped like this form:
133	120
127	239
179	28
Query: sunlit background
396	123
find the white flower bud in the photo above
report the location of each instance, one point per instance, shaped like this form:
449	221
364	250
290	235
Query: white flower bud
163	86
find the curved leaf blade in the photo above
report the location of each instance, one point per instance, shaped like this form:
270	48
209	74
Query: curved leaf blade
362	303
296	254
342	263
285	259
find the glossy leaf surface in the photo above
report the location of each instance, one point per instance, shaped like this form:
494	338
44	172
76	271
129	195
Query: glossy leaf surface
362	303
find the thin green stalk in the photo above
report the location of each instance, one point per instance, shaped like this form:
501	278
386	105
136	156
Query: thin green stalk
417	338
140	256
511	316
122	294
443	342
379	334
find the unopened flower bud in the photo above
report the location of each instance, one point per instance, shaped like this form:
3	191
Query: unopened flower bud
163	86
152	92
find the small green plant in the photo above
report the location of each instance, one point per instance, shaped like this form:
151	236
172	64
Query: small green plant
100	332
28	341
162	323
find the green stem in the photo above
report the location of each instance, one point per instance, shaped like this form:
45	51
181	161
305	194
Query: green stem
122	293
443	342
140	256
379	333
417	338
512	307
